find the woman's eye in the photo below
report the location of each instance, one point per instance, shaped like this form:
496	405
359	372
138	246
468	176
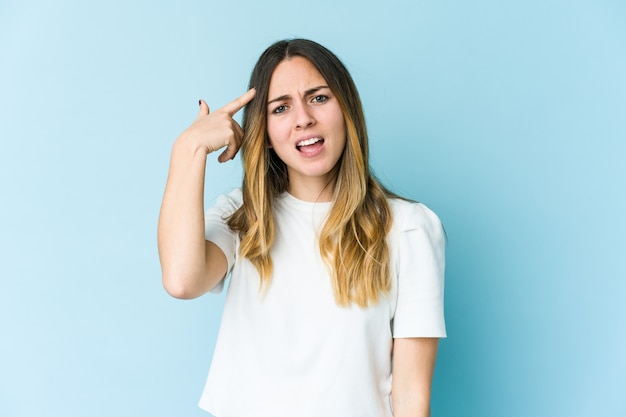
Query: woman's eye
320	99
280	109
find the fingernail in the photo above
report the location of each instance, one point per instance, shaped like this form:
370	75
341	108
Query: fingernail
199	102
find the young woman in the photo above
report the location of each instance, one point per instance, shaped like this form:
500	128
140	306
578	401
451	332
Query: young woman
335	301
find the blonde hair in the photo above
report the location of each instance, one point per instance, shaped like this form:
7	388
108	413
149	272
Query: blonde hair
353	239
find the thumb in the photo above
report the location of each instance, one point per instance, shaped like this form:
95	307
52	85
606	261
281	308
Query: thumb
204	108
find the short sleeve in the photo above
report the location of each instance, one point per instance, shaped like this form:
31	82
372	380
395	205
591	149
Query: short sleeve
420	270
216	229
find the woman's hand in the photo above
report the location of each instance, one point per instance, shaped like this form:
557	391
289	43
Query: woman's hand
214	130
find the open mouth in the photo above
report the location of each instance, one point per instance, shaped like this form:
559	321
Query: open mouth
309	145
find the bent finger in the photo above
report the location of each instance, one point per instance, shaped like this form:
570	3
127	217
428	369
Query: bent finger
238	131
229	153
232	144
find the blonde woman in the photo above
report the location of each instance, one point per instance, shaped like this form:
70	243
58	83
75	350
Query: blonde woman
335	300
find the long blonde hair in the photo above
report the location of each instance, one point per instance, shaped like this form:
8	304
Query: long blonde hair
353	239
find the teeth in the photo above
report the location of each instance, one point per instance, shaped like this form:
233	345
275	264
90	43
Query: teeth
307	142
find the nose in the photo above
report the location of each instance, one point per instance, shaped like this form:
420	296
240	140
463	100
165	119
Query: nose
304	117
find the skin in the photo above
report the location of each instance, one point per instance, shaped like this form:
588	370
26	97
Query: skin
191	265
302	106
413	367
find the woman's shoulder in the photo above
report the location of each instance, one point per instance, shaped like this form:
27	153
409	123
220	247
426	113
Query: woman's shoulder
410	215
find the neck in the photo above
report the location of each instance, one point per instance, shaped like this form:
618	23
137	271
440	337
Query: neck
312	191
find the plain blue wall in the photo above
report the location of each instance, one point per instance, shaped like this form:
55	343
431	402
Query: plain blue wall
508	118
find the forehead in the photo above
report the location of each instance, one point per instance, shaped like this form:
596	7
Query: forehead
293	75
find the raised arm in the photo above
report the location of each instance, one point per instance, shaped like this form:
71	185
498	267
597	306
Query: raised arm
191	265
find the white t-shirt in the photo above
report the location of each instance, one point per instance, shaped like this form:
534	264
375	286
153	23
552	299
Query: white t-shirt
294	352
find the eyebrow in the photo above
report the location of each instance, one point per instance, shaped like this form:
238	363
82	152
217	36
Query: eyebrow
306	93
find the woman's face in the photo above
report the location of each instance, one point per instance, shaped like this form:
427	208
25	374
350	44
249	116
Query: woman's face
305	125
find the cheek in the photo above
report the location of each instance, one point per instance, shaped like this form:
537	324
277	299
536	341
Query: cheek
277	131
340	124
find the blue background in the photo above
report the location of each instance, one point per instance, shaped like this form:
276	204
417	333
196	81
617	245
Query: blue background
508	118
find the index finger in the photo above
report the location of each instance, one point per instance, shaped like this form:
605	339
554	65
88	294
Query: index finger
238	103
